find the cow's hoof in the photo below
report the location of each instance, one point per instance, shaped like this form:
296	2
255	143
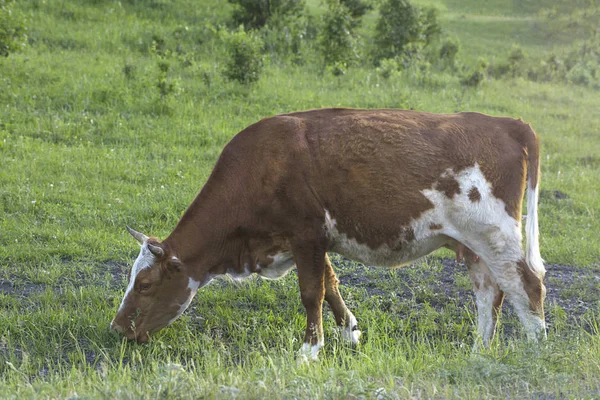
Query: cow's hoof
351	335
309	352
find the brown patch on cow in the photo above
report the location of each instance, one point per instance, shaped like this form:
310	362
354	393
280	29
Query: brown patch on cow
435	227
474	195
402	238
448	185
534	287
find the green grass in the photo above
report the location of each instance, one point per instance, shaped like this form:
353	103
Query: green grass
87	145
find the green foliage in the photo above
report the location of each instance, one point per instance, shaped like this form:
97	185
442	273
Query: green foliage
580	66
12	29
581	16
337	41
513	66
401	24
387	68
165	86
244	59
586	73
474	77
357	8
448	52
290	39
255	14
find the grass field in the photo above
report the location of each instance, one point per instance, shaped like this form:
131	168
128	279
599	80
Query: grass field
89	144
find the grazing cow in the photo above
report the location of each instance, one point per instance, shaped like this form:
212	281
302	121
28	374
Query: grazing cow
383	187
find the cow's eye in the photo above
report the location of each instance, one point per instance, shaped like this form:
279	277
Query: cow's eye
144	286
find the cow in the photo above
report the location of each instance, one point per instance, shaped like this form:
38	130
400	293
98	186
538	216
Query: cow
382	186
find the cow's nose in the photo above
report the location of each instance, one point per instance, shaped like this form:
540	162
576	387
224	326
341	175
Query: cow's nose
115	328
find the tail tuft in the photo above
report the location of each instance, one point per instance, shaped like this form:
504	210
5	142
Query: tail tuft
533	256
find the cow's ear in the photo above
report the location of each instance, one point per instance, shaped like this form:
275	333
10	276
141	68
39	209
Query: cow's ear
156	250
174	265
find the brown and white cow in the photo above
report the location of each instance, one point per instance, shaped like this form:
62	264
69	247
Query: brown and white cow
383	187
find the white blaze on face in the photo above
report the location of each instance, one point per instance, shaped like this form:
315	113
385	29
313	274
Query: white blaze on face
144	260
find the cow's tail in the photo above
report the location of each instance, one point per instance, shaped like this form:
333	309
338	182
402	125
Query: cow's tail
533	256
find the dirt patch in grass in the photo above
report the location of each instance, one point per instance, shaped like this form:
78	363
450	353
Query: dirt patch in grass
576	290
435	282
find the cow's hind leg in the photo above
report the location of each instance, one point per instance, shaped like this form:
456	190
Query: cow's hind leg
344	319
310	262
488	298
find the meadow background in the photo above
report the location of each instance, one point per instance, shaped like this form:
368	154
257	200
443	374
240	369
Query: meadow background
114	112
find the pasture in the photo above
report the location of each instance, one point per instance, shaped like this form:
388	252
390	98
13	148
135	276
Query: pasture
96	133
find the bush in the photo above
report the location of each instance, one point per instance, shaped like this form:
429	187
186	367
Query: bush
255	14
337	41
244	63
585	73
514	65
289	40
400	24
448	52
475	76
387	68
12	29
357	8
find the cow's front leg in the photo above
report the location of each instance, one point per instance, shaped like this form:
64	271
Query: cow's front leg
310	262
344	319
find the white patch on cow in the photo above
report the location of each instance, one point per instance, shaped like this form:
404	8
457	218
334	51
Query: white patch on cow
144	260
486	228
311	352
485	305
193	286
237	275
283	262
348	334
484	298
483	226
383	255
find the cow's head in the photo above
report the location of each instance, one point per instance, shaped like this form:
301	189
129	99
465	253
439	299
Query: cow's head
159	290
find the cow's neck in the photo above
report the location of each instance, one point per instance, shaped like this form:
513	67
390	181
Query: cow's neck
202	238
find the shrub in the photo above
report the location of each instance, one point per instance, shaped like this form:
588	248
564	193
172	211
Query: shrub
254	14
12	29
289	39
514	65
475	76
244	60
585	73
337	41
357	8
448	52
400	24
387	68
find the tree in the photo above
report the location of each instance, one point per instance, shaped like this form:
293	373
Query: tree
255	14
401	24
336	39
